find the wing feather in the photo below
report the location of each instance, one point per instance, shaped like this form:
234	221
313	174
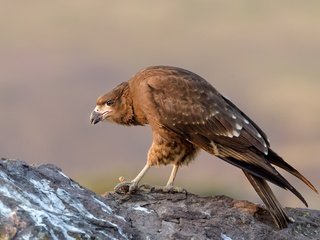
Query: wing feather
267	196
189	104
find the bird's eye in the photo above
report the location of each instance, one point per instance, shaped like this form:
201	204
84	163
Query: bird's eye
110	102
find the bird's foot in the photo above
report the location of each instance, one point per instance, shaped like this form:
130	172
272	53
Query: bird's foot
126	187
169	189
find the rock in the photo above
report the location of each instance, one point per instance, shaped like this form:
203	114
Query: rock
43	203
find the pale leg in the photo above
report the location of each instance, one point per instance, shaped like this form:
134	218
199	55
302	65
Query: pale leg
134	183
141	174
169	187
173	175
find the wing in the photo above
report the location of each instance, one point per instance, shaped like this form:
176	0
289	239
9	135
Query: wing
189	106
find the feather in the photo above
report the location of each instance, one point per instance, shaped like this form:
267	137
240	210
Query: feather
267	196
272	176
278	161
186	113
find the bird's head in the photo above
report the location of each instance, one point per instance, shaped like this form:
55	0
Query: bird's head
114	106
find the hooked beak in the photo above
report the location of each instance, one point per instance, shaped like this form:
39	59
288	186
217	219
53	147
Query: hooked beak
99	114
95	117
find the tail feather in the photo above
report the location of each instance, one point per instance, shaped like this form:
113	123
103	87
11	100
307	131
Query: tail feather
260	172
267	196
275	159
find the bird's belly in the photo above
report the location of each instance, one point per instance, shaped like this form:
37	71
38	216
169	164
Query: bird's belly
175	152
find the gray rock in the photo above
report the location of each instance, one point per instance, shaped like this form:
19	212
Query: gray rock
43	203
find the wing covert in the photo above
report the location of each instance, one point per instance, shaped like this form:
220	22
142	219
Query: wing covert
187	104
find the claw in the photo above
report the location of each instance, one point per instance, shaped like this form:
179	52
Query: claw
125	187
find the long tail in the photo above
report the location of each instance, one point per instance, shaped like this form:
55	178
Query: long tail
278	161
267	196
271	175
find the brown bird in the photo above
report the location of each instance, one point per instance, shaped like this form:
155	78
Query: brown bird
187	114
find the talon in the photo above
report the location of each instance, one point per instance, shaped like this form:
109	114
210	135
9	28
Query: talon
121	189
125	187
133	188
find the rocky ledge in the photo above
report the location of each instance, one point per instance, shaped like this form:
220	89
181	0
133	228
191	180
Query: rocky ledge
41	202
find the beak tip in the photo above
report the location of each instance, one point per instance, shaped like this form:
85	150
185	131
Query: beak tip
94	118
94	122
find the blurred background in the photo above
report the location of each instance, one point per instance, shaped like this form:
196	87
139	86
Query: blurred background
57	57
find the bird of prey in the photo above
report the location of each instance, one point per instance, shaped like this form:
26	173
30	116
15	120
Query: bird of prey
187	114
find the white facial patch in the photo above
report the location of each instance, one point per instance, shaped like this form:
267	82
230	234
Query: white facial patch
102	109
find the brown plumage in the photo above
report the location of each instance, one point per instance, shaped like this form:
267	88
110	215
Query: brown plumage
187	114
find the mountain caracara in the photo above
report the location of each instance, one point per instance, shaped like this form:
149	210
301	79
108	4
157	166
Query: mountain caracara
187	114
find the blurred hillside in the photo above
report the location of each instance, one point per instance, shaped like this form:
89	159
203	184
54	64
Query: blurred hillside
57	57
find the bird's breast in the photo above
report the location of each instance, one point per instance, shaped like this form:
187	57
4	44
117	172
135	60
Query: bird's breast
173	151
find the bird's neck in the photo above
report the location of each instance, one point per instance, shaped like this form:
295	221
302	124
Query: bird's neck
133	114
